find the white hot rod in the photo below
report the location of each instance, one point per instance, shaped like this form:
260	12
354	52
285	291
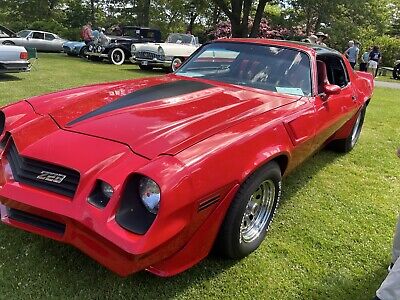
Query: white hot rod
169	55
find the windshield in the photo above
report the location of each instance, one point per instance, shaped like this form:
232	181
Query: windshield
23	33
264	67
177	38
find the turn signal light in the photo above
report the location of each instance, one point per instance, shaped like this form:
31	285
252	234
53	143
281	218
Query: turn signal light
23	55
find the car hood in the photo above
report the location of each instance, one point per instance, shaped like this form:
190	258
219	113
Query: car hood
156	116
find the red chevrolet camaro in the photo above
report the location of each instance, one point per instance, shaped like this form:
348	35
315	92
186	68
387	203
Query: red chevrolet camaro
153	173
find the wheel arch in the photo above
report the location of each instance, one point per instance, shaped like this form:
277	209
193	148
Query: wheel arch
280	156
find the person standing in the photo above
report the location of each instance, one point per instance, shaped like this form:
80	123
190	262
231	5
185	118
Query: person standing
87	34
364	61
375	57
321	38
390	287
352	53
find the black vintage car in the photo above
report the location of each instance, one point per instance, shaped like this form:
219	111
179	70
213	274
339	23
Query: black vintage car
116	44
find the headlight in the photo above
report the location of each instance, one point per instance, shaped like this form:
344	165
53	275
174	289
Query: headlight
133	48
149	193
161	51
91	48
99	49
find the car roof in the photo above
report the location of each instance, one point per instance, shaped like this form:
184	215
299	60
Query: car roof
318	49
39	31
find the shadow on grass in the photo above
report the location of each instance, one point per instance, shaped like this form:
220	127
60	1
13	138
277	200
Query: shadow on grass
69	267
8	77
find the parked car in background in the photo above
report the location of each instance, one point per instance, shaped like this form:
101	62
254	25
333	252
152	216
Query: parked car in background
41	40
75	48
169	55
13	59
117	47
159	170
396	69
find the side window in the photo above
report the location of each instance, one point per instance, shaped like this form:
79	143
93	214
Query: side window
336	70
38	35
49	37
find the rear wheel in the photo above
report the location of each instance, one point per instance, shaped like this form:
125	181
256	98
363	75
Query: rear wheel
347	144
116	56
251	212
396	72
83	52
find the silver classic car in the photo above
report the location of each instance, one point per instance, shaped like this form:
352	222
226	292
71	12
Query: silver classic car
41	40
169	55
13	59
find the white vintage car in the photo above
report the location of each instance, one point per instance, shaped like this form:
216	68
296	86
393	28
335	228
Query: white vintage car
13	59
169	55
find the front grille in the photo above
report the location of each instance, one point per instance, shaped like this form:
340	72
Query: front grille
42	175
34	220
149	55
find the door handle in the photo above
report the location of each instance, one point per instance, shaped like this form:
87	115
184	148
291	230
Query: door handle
354	98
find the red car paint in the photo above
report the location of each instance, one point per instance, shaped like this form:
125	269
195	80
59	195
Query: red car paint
196	146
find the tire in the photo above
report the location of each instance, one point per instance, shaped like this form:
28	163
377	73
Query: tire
239	235
116	56
83	52
176	63
10	43
347	144
396	72
145	68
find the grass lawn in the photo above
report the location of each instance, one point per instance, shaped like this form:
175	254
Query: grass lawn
387	78
331	238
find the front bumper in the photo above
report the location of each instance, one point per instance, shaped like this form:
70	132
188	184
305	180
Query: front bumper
74	220
14	66
151	62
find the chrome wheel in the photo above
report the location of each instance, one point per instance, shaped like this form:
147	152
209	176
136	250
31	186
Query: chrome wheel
258	211
356	130
176	63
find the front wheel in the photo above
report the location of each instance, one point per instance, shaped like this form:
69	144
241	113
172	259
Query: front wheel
176	63
396	72
116	56
251	212
8	43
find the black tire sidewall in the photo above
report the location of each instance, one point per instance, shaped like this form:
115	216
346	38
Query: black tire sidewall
235	247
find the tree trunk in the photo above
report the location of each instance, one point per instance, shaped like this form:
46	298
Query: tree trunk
146	13
257	18
92	16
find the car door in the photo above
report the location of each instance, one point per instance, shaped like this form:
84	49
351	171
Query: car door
332	111
37	41
51	43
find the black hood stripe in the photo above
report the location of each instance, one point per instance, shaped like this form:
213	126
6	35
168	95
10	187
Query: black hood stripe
157	92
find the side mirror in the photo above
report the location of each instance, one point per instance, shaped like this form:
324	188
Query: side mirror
331	89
